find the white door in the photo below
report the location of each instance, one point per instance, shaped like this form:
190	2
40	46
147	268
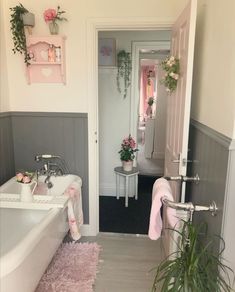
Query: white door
179	102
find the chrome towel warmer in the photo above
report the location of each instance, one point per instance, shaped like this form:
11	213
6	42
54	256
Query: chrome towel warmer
183	178
190	206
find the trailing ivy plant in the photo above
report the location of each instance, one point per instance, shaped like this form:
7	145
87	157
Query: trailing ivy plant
18	33
124	72
195	267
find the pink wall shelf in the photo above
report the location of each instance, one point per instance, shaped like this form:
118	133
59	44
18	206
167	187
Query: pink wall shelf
43	68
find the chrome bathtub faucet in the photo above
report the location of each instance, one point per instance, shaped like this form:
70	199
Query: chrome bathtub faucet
56	168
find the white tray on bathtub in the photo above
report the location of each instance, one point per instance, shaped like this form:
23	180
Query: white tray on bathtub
40	202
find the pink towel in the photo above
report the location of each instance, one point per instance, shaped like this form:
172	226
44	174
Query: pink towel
75	214
161	188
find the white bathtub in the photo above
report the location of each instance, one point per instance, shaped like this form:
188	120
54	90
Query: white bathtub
29	238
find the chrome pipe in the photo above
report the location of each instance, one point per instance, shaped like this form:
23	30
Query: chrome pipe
183	178
173	178
190	207
178	206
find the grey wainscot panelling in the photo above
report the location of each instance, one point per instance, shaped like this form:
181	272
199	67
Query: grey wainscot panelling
7	167
64	134
209	151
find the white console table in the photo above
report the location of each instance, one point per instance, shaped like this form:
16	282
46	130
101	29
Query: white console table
126	174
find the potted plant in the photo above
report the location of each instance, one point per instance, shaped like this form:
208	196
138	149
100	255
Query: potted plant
20	17
195	267
127	153
124	71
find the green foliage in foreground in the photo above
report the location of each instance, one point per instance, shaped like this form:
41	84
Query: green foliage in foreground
195	267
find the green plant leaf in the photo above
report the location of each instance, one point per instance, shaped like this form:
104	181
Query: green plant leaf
17	29
124	72
195	267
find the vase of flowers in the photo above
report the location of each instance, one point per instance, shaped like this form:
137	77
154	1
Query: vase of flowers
53	27
127	153
51	16
28	186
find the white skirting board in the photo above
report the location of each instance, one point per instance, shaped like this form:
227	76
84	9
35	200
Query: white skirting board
110	189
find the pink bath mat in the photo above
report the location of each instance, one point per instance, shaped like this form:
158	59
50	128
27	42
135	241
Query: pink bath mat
73	269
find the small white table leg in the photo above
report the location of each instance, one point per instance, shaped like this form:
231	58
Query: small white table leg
126	194
117	186
136	187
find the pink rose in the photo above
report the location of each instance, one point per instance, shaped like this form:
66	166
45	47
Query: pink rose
19	176
26	179
49	15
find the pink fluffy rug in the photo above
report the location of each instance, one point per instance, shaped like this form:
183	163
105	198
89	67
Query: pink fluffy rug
73	269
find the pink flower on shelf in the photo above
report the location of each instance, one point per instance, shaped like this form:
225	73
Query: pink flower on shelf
19	176
50	15
26	179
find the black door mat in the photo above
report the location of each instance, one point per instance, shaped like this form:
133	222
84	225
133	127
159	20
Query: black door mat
134	219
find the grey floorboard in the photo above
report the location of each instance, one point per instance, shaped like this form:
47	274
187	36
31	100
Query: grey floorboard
125	262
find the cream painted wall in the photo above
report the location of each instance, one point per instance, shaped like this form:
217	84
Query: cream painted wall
72	96
4	93
213	102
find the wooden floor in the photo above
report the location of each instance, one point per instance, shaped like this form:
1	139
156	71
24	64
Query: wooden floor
125	262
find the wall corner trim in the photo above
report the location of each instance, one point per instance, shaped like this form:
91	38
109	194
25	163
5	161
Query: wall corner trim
5	114
232	145
47	114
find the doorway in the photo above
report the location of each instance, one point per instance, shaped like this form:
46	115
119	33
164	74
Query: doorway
93	27
150	97
116	116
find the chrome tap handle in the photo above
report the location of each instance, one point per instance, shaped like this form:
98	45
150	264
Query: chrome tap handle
40	157
58	167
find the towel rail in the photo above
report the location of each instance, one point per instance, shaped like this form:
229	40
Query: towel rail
183	178
190	206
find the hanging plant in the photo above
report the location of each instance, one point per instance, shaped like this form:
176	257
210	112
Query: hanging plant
171	65
18	32
124	72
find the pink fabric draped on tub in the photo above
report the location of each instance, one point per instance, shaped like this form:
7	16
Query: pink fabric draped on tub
75	214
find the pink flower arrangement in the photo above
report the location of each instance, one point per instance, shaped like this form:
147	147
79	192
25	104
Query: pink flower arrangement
51	15
128	148
24	177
